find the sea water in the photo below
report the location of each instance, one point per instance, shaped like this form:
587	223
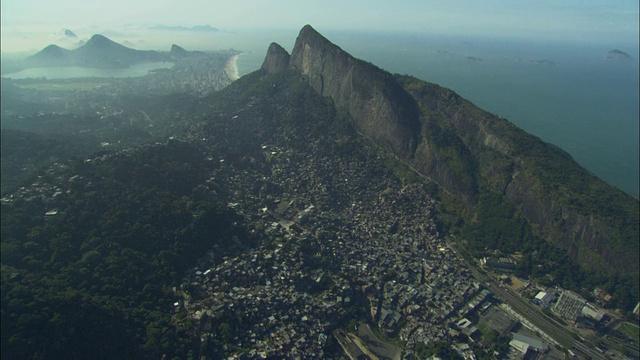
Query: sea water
568	94
71	72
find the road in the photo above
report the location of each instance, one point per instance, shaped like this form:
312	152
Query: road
561	334
530	312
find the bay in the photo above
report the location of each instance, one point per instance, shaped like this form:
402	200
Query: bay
70	72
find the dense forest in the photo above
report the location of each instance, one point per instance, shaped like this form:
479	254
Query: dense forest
94	280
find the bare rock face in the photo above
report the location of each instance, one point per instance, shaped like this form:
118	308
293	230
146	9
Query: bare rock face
277	59
377	103
460	147
380	108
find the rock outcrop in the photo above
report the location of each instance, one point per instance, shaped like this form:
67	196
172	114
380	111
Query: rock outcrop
616	54
459	146
178	52
379	107
277	59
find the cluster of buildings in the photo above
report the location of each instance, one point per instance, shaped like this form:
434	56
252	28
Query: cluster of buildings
47	188
504	264
113	109
341	240
341	236
572	306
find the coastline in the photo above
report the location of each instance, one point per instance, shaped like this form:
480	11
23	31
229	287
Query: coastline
231	68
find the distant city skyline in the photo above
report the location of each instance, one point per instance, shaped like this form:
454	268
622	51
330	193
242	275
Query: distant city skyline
586	21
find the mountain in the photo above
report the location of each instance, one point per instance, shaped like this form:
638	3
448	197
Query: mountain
177	51
616	54
473	154
98	52
316	192
377	103
70	34
52	55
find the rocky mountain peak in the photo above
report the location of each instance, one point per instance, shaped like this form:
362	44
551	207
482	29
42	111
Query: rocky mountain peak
379	106
178	51
309	35
99	40
277	59
54	49
616	54
70	34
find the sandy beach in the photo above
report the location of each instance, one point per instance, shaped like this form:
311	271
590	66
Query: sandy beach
231	68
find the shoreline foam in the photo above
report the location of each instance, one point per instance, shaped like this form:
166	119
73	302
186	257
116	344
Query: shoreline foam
231	68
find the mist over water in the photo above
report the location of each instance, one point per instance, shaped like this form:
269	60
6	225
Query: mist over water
70	72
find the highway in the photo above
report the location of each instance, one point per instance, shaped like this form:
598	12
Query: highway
561	334
530	312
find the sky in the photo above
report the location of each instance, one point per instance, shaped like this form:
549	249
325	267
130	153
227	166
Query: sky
566	20
27	26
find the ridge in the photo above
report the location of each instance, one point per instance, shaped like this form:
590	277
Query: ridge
379	107
471	154
277	59
98	52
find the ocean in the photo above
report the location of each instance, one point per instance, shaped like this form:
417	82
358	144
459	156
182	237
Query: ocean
568	94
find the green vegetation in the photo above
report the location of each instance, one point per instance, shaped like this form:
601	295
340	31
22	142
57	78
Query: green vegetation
488	335
441	350
447	152
385	338
23	153
531	197
402	171
95	280
496	224
566	185
631	330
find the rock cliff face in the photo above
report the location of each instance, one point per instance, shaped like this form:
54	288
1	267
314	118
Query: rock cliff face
380	108
178	52
569	207
462	148
276	60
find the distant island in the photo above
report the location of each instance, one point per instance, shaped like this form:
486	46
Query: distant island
543	62
473	58
616	54
198	28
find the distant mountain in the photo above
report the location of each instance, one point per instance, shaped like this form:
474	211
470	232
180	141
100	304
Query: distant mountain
52	55
70	34
616	54
98	52
177	51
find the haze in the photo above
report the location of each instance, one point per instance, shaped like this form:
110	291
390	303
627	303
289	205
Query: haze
28	25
